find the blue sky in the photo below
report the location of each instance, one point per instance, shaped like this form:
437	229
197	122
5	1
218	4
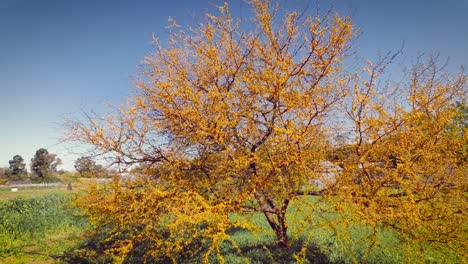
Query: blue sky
59	56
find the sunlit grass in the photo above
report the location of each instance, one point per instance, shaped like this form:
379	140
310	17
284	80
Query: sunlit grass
31	191
315	238
39	229
42	229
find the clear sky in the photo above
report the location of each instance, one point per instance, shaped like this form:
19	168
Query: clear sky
60	56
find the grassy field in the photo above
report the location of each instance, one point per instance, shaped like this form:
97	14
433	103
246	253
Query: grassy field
38	225
31	191
315	238
38	229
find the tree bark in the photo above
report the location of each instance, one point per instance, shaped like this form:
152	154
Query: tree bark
279	225
282	231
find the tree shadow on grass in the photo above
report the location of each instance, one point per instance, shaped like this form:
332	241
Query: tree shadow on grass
250	249
274	254
267	251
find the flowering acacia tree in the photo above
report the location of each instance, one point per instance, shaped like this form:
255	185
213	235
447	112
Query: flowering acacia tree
226	120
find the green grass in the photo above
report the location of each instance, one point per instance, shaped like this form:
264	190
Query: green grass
317	237
45	230
31	191
312	239
38	230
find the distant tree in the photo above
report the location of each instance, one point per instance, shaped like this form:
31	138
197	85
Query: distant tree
100	171
17	168
84	166
458	128
44	163
87	167
3	172
461	118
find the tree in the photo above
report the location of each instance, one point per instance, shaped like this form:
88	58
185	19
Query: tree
17	169
84	166
458	128
87	167
43	163
227	120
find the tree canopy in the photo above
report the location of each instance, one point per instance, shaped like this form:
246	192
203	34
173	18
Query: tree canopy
87	167
17	168
43	163
228	119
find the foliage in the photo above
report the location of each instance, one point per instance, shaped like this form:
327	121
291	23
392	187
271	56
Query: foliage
25	222
84	165
228	120
87	168
43	164
17	169
69	177
314	241
458	128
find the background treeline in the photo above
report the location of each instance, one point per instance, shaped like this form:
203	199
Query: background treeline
44	168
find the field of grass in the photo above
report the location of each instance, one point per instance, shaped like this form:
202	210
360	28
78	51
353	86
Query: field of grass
312	241
316	237
38	229
38	225
31	191
320	236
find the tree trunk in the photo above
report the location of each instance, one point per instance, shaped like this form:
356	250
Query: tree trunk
282	230
279	225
